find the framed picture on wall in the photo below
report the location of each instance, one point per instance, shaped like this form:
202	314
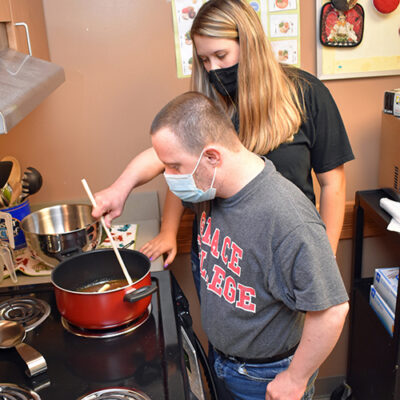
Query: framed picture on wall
376	54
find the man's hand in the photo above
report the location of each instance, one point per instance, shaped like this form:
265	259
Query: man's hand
163	243
320	333
284	387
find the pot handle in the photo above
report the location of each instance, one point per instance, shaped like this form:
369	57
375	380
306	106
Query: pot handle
137	294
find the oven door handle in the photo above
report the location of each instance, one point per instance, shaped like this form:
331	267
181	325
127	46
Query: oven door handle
208	371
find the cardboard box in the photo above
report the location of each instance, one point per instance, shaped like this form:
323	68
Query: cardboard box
389	158
386	281
382	310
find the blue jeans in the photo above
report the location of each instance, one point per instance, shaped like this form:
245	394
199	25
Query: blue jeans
249	381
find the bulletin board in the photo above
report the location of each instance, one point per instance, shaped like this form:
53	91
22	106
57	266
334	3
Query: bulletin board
378	53
280	20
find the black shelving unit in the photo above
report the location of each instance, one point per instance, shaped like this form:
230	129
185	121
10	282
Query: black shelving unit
374	358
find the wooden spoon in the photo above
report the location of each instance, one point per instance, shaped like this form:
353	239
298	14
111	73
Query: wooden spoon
114	246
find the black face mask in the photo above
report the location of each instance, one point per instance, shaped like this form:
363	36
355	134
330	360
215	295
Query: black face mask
224	80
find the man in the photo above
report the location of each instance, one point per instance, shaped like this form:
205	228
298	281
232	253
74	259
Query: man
273	303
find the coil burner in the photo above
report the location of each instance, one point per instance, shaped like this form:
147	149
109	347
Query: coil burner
106	333
116	394
9	391
28	311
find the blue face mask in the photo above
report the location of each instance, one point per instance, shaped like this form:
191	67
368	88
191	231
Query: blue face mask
184	186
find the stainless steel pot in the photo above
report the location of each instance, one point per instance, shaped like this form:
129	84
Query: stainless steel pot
57	232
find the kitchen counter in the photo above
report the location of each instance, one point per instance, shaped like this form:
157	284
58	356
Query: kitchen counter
141	209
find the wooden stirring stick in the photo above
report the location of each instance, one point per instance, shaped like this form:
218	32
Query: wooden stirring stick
114	246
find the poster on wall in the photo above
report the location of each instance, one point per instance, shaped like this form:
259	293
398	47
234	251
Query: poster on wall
376	50
280	20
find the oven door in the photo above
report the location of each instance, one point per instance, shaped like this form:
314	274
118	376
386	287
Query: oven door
192	366
198	371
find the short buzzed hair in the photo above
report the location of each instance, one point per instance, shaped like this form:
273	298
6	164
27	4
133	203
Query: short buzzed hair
197	121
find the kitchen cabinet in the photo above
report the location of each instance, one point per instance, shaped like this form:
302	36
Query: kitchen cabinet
373	358
25	26
26	77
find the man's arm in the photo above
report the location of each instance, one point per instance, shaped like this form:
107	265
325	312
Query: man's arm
320	334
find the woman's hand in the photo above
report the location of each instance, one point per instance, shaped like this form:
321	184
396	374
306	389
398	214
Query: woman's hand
163	243
109	203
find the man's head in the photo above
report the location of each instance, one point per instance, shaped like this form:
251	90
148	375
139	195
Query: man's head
189	136
198	145
192	137
196	121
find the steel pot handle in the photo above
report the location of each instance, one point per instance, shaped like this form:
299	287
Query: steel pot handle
137	294
67	253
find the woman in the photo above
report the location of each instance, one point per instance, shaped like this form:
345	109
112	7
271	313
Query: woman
281	112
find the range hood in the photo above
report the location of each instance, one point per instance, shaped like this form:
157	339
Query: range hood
25	81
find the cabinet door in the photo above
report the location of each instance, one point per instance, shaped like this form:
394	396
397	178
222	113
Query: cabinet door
29	12
5	12
5	18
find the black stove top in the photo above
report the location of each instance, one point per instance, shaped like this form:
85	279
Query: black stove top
148	359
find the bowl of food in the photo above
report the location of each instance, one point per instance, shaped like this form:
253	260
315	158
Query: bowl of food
58	232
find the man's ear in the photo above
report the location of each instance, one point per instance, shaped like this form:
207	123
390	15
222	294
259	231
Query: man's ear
213	156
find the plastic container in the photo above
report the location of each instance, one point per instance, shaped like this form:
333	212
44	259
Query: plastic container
17	213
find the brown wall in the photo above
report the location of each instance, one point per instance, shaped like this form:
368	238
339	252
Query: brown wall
120	69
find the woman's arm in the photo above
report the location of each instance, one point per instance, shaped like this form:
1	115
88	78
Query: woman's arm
165	241
110	201
320	333
332	202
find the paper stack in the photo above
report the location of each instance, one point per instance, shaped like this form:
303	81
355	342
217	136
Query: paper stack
383	295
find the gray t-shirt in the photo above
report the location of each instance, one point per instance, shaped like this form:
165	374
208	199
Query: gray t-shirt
264	260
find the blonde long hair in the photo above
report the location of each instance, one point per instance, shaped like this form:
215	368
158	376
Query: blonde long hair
270	110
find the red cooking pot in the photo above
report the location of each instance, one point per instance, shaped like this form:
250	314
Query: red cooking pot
102	310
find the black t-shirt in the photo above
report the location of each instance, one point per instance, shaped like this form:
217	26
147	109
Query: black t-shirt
321	143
